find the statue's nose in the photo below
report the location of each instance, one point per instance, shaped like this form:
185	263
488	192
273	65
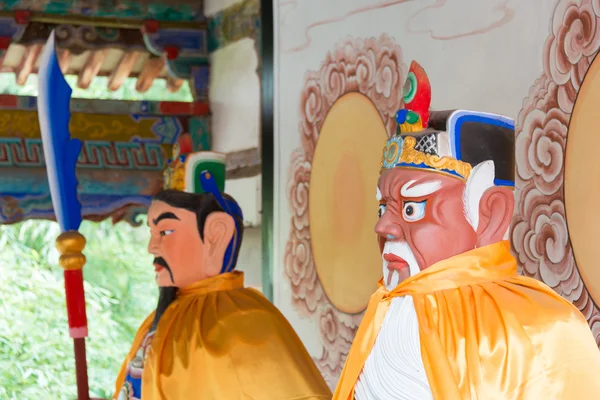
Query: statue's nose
389	227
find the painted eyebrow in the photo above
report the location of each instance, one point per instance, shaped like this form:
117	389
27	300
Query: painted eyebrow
421	189
165	215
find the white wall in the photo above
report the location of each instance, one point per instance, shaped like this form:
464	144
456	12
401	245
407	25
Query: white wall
235	107
247	192
250	259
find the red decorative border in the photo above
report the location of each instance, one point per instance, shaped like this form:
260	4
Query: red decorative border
539	236
96	106
375	68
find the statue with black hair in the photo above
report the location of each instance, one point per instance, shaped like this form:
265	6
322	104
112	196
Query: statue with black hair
210	337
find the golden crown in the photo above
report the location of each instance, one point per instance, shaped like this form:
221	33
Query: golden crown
400	152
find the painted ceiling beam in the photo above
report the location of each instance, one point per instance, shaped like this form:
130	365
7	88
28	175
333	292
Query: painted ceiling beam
27	64
152	69
123	70
82	47
115	21
111	107
91	68
173	84
64	60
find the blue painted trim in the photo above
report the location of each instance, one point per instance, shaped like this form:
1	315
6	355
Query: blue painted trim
457	119
209	185
502	182
136	385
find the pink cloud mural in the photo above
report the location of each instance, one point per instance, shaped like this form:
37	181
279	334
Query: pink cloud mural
539	233
540	237
376	69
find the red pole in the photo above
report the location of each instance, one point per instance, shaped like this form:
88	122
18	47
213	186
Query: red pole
70	245
83	391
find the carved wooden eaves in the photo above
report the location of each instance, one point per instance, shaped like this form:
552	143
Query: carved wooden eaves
85	53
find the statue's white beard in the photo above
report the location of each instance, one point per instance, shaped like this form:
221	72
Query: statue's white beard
403	250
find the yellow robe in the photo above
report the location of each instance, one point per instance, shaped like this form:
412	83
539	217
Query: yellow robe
221	341
488	333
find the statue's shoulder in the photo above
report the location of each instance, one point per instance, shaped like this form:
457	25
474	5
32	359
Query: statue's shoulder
536	304
239	313
252	306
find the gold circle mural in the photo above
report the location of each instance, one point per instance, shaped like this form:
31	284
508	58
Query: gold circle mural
582	181
342	203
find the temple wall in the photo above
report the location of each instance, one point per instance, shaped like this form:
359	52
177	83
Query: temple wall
250	258
235	95
235	107
340	68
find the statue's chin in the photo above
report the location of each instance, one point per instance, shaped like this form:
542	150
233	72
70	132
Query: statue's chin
395	277
163	279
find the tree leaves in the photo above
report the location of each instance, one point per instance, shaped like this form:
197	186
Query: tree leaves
36	352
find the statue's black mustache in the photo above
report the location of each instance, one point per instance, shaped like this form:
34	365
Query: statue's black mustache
163	263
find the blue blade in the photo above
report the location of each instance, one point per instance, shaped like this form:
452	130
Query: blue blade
60	150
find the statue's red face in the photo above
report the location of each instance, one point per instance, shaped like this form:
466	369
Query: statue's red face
424	219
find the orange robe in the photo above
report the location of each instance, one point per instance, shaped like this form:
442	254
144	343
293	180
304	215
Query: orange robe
221	341
487	333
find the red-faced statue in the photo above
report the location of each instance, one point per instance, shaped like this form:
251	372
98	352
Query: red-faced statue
452	319
426	217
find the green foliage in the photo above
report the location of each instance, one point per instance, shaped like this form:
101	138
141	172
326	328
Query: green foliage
36	352
99	89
